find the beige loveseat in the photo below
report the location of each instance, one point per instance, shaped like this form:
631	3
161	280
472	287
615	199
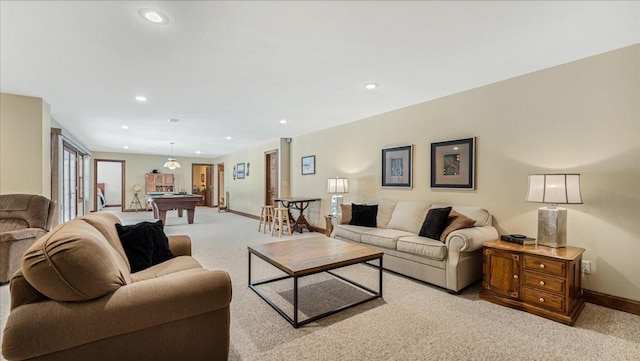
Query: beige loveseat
452	264
75	299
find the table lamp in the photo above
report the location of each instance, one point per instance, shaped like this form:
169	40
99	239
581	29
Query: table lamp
553	189
337	186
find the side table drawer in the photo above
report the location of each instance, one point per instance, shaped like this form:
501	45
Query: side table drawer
543	282
543	299
544	265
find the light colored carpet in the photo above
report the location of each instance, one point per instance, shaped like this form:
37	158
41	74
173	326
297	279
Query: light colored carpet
413	321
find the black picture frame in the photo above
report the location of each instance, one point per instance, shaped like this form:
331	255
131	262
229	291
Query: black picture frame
308	165
453	164
397	167
240	170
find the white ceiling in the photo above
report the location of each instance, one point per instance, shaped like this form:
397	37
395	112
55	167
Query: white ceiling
237	68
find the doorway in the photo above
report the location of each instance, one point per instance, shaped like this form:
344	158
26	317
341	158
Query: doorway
271	176
202	183
222	201
108	185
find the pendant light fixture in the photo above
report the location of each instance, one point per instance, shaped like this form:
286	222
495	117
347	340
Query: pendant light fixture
172	163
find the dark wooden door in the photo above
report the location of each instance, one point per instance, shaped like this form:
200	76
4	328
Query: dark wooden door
271	176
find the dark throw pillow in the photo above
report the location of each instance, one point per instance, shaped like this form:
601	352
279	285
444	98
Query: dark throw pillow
145	244
363	215
435	222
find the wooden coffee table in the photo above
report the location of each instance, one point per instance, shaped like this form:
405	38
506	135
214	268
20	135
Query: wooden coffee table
304	257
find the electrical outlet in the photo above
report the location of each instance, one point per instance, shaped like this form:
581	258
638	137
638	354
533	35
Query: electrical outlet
586	267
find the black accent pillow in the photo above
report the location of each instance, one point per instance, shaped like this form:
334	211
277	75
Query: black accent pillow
435	222
145	244
363	215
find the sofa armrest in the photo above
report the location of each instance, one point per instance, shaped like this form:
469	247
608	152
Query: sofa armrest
33	329
20	234
471	239
180	245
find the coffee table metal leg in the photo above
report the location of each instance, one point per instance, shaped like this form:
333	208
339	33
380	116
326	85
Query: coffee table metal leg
295	302
380	281
249	262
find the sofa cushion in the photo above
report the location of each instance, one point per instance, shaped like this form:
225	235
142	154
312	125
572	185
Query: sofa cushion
422	246
171	266
352	233
408	216
363	215
105	222
384	237
385	211
481	215
435	222
74	262
145	244
455	222
346	213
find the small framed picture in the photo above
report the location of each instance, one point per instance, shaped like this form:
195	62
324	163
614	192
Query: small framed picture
309	164
453	164
396	166
240	171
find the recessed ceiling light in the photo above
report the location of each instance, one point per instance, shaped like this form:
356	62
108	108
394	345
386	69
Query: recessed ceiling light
229	138
124	126
140	98
371	86
126	147
173	120
283	121
198	152
455	148
153	16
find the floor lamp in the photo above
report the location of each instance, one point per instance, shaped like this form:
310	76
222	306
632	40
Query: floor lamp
337	186
553	189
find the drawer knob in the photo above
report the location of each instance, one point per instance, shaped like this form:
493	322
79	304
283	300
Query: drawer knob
541	299
515	276
541	265
541	283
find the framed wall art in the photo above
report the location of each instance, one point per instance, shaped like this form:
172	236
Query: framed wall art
453	164
240	170
309	164
396	166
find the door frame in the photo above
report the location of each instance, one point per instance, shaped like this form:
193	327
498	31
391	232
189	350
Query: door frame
208	180
122	182
267	155
221	194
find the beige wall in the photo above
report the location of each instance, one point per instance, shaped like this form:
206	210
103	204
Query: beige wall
581	117
247	195
137	165
25	139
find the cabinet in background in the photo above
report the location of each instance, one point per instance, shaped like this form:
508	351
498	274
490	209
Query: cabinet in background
541	280
159	183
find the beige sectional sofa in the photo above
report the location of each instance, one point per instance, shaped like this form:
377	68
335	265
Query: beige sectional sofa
452	264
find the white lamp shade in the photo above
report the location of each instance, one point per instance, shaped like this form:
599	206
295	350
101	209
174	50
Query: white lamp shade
338	185
554	188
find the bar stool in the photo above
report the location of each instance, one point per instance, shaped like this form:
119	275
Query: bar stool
281	217
266	218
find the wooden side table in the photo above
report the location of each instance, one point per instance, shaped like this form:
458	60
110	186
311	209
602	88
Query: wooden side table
541	280
329	226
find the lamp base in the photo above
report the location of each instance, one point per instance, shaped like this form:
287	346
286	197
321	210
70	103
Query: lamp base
552	227
336	201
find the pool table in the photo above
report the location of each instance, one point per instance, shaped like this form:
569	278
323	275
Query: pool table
161	203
